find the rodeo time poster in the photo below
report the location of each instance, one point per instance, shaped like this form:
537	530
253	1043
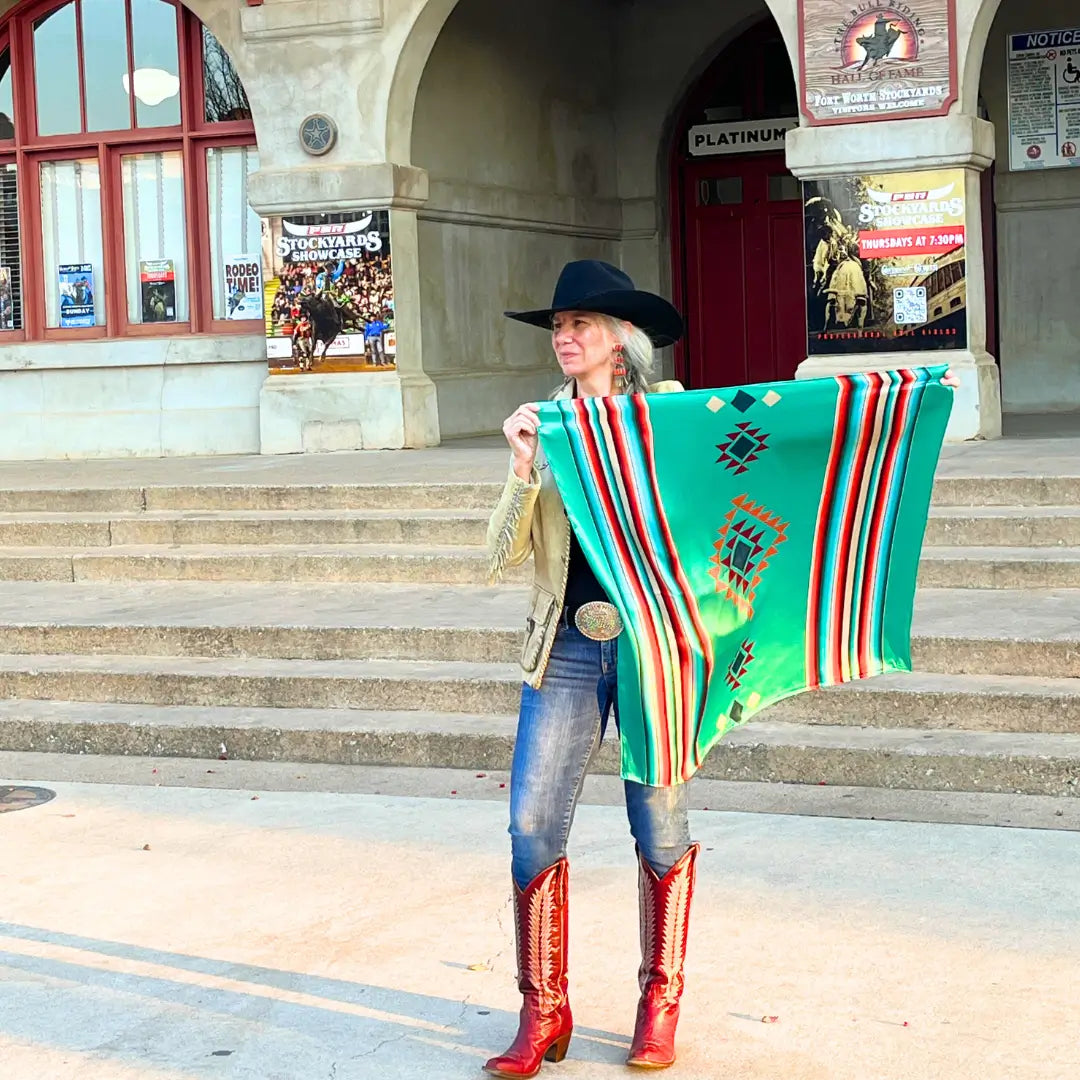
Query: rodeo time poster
329	292
873	60
886	263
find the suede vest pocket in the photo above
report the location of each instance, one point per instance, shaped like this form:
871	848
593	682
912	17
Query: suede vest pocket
541	612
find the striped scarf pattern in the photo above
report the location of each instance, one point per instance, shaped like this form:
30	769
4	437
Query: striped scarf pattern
786	563
856	523
612	444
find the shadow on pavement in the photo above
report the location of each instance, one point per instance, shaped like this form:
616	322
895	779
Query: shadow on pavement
182	1012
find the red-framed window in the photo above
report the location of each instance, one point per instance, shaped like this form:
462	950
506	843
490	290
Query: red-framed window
125	145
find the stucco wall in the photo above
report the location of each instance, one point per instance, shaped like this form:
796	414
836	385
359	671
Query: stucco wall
518	138
1038	241
129	398
546	134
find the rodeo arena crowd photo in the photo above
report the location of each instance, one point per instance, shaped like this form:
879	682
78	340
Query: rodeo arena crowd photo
332	305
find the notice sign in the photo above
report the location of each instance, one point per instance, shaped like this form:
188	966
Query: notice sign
885	263
741	138
243	287
1044	99
157	282
76	285
872	60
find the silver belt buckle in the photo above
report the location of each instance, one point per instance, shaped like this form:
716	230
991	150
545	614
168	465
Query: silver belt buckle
598	620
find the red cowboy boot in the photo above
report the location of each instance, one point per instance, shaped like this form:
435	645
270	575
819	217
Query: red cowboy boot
541	930
665	917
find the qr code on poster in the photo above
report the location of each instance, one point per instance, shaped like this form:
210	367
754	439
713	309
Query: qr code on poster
909	305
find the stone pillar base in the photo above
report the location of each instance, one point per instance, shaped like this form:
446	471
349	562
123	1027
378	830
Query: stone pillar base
976	412
363	411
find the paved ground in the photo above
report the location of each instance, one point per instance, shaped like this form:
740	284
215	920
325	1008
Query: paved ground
153	932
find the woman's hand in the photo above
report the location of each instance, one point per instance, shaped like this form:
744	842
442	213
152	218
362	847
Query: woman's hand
521	430
950	379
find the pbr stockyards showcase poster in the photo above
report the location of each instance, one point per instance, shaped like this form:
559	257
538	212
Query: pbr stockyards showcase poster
875	60
329	293
885	262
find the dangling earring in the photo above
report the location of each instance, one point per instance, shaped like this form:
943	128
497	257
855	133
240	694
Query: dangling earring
618	380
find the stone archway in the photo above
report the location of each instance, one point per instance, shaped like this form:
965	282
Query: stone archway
415	31
1034	214
736	230
533	158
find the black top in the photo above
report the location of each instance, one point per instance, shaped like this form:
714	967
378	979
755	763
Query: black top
581	584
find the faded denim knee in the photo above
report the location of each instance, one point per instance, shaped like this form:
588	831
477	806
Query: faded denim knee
658	822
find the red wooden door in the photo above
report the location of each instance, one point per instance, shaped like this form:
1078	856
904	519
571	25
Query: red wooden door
745	291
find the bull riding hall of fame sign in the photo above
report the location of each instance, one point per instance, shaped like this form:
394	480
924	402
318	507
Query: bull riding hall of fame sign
872	60
328	292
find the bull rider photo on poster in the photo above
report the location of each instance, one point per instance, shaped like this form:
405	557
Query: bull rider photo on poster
885	263
329	292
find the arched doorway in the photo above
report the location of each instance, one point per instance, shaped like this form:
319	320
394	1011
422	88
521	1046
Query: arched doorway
1032	213
737	216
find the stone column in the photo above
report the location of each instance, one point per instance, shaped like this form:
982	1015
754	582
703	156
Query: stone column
953	141
363	410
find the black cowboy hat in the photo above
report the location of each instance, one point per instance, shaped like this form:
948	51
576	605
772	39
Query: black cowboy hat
592	285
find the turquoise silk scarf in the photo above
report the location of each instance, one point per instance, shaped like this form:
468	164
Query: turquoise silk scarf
757	541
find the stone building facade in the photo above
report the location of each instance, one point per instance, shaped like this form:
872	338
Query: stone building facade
504	138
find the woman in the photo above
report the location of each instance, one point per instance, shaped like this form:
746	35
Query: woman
603	331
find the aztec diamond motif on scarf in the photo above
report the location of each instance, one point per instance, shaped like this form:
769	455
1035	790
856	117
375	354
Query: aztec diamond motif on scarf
749	538
743	447
787	564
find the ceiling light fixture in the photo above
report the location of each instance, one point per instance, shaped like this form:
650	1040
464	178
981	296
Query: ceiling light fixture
152	85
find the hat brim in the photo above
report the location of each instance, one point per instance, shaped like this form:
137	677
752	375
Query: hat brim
645	310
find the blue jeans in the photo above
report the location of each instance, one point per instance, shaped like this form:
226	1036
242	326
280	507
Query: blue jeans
559	728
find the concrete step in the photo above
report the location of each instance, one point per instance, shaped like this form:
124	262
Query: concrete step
311	621
1007	526
420	685
961	631
926	760
299	496
1000	568
969	702
918	700
450	564
1032	632
949	491
941	567
1005	490
230	527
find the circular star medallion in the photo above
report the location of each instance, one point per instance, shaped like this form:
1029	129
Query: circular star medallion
318	133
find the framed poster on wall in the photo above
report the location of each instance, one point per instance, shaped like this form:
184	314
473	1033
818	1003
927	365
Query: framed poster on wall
243	287
75	282
886	263
157	290
876	60
329	292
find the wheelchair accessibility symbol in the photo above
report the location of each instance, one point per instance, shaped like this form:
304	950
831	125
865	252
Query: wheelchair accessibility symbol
1071	74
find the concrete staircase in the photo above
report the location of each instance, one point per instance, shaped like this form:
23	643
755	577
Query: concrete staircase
349	623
